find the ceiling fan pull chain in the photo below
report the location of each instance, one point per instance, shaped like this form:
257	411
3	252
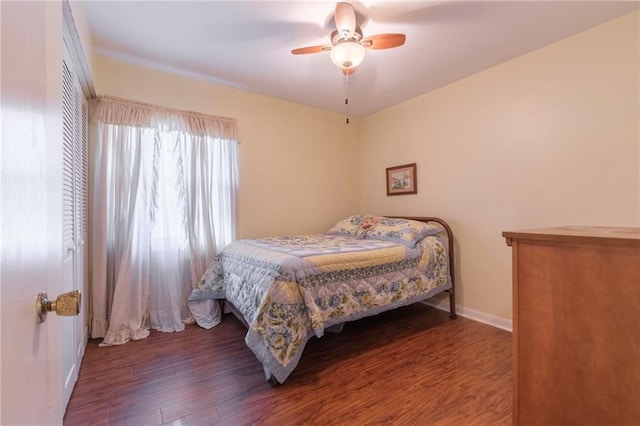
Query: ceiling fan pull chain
346	101
346	96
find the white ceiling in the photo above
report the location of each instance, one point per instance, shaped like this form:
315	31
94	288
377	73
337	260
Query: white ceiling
247	44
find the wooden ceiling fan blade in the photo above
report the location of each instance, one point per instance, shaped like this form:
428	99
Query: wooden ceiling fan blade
310	49
345	18
383	41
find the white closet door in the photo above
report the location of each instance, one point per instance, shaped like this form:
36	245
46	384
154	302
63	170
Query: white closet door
74	204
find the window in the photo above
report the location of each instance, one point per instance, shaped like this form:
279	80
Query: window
164	203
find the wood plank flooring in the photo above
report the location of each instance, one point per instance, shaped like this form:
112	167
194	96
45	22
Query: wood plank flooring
410	366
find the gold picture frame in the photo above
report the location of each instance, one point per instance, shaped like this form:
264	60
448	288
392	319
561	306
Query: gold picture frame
402	180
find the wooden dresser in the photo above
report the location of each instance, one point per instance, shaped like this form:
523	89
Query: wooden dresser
576	326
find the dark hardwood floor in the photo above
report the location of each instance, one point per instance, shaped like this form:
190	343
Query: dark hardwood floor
410	366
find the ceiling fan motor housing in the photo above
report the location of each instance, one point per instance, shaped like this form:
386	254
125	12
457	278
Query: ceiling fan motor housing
336	37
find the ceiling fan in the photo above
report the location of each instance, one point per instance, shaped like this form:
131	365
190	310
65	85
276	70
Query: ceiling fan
347	45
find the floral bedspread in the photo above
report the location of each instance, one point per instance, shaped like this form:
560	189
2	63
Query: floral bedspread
291	288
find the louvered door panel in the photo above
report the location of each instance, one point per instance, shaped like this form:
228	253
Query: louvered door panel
85	168
68	113
78	133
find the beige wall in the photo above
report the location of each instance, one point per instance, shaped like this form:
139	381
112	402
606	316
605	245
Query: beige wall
299	166
550	138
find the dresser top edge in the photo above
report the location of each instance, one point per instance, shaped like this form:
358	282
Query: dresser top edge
625	236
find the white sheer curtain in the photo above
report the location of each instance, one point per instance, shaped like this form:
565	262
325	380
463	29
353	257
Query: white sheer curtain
163	203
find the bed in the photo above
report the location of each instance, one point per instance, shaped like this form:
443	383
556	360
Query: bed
291	288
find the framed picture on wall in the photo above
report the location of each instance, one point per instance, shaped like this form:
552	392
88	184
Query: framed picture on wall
402	180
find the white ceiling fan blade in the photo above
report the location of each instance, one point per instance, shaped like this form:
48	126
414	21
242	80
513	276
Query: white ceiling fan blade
345	20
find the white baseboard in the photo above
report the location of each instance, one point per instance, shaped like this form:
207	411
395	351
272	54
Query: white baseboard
482	317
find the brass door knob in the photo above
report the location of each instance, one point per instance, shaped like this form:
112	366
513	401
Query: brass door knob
67	304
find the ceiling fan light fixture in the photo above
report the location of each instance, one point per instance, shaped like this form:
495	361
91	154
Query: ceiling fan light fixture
347	54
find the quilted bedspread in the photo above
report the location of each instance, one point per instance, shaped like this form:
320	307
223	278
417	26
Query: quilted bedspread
291	288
